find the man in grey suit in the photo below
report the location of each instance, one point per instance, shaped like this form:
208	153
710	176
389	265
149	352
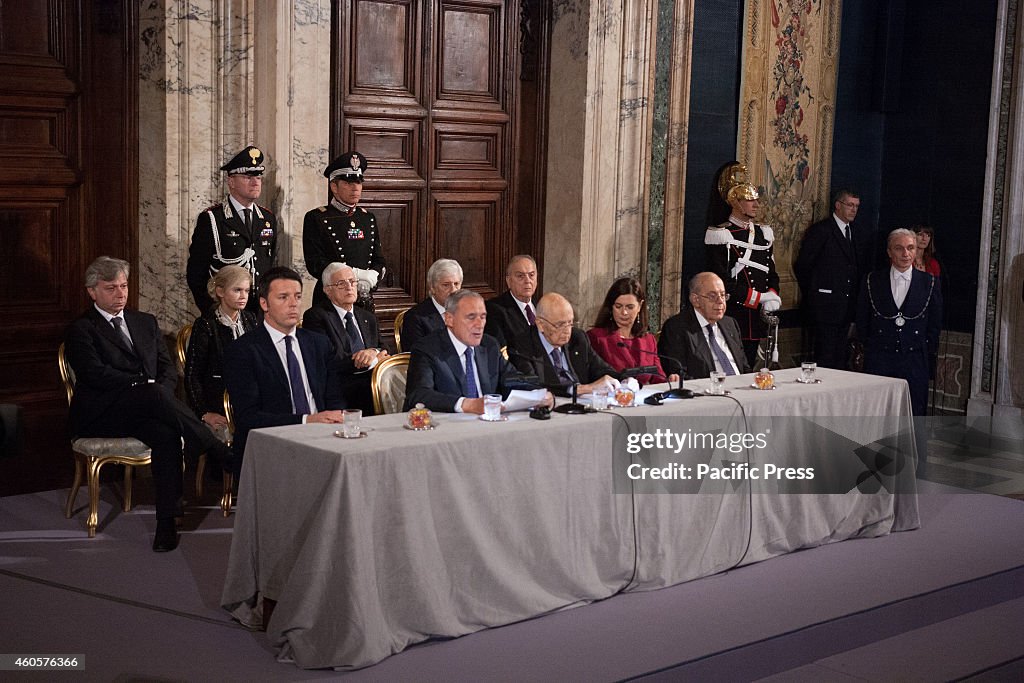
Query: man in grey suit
353	331
702	338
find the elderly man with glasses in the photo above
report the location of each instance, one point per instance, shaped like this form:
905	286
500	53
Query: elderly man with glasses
701	337
354	333
559	353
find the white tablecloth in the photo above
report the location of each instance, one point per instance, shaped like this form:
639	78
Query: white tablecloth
370	545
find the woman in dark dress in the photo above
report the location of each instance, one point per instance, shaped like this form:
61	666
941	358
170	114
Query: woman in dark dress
211	333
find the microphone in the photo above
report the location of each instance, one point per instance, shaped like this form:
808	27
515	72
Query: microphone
671	393
641	370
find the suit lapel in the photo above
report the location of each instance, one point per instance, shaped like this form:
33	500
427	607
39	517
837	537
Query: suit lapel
699	342
844	244
144	344
236	221
454	362
265	348
107	331
336	323
483	370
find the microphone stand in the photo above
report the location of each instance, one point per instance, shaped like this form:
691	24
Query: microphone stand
671	393
573	408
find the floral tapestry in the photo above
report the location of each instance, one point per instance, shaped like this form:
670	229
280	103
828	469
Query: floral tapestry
787	106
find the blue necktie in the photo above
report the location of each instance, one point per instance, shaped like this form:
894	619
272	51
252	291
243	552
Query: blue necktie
295	379
471	390
720	355
353	334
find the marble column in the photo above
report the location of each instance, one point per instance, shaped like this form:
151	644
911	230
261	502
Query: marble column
602	76
997	378
216	75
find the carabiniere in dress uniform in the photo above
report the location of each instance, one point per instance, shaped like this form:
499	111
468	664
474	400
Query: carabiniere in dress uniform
342	231
236	232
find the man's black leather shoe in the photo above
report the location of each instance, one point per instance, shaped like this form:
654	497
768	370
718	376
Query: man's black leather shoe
166	538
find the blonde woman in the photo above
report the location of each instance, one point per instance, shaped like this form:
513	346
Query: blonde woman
225	321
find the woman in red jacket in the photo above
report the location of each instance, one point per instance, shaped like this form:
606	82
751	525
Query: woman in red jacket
620	334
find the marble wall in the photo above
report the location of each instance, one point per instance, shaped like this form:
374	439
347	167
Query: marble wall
602	57
997	377
214	77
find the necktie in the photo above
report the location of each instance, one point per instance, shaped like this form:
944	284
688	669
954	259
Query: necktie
471	390
353	333
123	330
719	352
248	220
530	315
295	379
846	231
563	373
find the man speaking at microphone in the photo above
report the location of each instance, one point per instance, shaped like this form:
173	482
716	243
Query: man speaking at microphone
558	353
453	368
701	336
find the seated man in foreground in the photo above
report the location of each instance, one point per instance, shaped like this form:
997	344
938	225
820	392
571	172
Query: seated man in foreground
353	331
559	353
452	369
125	384
702	338
278	374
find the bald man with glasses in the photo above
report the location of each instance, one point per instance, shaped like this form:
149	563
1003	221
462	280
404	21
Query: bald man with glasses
559	353
702	337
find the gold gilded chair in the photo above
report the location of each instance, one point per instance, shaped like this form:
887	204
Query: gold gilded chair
388	384
229	478
504	352
181	346
398	329
181	352
92	453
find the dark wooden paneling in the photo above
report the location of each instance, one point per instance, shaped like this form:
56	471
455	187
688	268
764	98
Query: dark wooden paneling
428	91
68	189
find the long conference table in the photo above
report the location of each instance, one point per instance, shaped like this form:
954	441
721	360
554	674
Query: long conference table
366	546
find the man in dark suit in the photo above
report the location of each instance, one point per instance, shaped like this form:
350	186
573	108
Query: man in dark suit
353	331
236	232
702	338
829	268
511	314
124	386
558	353
452	369
443	277
278	374
899	319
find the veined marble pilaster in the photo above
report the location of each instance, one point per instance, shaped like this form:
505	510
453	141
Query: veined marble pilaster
997	378
600	118
216	75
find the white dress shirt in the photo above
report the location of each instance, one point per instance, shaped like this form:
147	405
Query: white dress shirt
277	337
900	283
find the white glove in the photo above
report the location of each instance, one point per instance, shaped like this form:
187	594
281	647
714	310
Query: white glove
366	275
770	301
632	383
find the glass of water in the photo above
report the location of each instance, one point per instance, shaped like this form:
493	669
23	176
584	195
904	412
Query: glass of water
352	425
492	407
807	371
716	385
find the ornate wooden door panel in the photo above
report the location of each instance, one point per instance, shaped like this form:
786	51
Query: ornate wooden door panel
427	90
67	194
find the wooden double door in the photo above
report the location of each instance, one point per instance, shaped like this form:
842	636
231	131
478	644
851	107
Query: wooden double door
444	98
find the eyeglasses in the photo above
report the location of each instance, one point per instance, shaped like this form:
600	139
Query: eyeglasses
560	326
714	297
345	283
852	205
